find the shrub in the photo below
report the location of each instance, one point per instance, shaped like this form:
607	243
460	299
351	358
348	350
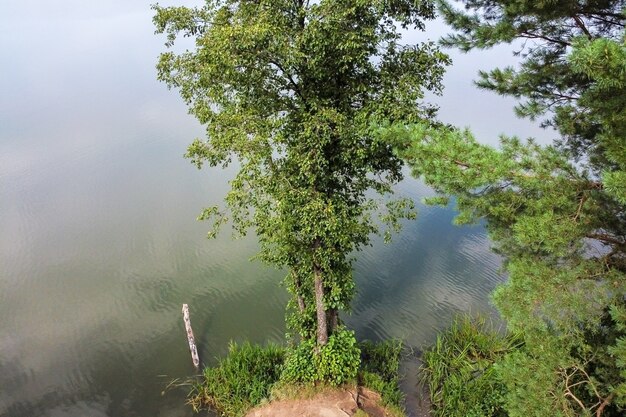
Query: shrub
460	373
334	363
299	364
240	381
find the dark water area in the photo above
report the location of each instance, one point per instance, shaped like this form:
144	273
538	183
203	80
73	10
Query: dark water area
99	246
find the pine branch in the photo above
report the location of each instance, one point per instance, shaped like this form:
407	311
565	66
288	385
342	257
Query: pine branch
582	26
531	35
606	238
605	402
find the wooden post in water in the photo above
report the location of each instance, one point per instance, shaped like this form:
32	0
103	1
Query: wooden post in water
190	338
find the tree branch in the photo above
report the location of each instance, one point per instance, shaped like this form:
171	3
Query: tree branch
568	392
296	87
582	26
606	238
530	35
607	21
619	16
605	402
580	207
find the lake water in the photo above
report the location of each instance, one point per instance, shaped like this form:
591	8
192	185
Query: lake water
99	246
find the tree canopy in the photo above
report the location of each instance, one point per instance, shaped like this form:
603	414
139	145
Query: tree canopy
556	213
289	90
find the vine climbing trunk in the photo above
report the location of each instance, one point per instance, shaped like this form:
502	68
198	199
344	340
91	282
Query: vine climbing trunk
322	327
301	306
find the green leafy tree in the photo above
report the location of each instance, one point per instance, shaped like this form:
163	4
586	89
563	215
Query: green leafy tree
288	89
557	213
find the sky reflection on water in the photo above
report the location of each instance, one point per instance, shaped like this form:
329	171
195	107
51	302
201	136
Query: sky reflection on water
100	247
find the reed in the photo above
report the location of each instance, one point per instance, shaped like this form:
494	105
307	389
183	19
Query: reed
460	369
240	381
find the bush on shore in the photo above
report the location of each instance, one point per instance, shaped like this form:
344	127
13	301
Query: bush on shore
335	363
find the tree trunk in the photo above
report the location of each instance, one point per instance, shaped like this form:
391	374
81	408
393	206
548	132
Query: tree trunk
301	305
299	298
322	328
333	320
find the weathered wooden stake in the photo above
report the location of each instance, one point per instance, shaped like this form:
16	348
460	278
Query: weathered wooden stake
190	338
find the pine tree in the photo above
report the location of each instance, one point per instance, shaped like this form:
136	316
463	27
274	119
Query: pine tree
556	213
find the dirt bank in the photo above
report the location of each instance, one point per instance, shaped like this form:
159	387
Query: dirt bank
329	403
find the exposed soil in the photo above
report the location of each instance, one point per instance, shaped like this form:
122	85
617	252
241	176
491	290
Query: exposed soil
346	402
330	403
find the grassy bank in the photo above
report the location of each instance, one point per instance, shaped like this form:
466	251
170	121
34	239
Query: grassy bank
251	374
460	371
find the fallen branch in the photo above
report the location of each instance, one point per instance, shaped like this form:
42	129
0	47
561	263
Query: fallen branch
190	338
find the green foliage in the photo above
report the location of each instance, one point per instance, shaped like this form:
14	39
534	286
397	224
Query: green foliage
544	81
380	364
618	351
239	381
585	373
461	370
288	90
338	361
541	214
300	363
335	363
556	213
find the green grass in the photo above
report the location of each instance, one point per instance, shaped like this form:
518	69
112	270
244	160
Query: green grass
240	381
379	370
459	369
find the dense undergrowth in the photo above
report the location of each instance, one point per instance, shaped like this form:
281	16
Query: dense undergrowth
334	363
251	374
461	371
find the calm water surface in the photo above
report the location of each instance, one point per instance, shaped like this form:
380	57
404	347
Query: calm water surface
99	246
